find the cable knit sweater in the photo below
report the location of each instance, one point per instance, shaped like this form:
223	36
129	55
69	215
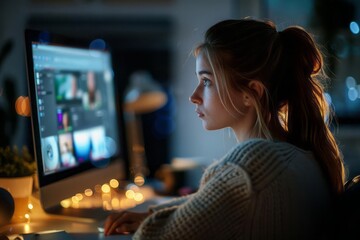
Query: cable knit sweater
259	190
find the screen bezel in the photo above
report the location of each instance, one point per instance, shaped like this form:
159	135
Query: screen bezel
32	36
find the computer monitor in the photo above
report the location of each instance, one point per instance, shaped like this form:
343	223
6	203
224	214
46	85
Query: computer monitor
77	126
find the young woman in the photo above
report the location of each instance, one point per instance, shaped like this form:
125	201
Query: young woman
281	181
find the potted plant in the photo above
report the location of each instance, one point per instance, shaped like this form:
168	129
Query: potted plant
17	168
15	163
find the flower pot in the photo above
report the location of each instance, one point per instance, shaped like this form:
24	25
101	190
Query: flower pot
20	189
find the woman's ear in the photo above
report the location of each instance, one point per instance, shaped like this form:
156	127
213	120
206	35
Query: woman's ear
257	87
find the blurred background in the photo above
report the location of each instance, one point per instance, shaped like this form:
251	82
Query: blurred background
157	36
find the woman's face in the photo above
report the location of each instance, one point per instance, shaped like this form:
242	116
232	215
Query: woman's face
206	98
209	107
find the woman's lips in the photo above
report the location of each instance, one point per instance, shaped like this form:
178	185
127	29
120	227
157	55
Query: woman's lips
199	113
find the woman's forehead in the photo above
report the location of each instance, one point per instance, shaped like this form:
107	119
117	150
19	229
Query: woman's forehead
202	63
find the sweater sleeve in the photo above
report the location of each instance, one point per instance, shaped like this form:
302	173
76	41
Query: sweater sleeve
171	203
214	212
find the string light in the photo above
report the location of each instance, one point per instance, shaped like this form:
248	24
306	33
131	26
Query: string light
107	196
79	196
105	188
139	180
114	183
138	197
27	217
130	194
88	192
74	199
30	206
65	203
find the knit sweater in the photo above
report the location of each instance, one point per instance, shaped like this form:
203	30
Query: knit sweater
260	190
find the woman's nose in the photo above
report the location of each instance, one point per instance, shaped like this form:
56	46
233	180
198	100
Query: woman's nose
195	98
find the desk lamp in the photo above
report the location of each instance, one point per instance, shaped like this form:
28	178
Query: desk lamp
143	95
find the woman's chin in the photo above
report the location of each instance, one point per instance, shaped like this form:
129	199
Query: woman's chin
209	127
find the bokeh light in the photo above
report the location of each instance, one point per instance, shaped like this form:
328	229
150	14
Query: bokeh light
139	180
105	188
350	82
353	94
88	192
114	183
354	27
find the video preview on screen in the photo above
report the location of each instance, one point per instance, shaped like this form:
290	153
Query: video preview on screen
76	106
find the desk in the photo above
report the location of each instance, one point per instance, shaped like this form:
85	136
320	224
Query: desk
78	228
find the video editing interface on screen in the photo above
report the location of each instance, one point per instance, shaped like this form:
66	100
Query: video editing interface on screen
76	108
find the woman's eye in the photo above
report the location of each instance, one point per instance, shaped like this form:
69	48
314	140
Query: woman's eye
206	82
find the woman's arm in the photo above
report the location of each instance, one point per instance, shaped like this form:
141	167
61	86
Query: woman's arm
128	222
216	211
171	203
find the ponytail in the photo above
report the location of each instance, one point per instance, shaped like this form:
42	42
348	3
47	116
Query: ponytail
306	115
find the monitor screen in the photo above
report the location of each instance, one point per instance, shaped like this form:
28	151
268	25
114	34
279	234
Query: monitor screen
76	118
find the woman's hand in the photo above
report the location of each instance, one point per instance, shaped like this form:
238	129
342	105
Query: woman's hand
123	222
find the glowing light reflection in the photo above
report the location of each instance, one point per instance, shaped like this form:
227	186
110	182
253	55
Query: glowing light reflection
65	203
26	228
79	196
138	197
130	194
105	188
139	180
350	82
354	27
88	192
30	206
353	94
114	183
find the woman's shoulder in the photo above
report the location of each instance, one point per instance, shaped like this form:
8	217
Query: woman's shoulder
262	149
261	157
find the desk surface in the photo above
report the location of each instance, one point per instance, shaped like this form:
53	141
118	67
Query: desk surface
78	228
